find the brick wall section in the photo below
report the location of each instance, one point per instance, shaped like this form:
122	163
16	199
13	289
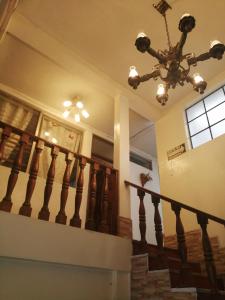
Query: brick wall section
139	270
195	253
153	285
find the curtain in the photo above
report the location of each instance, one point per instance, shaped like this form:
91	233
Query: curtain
7	8
61	135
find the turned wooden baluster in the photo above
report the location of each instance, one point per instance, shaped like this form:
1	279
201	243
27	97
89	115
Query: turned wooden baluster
158	231
90	223
142	219
181	242
6	203
44	212
104	225
76	221
207	249
26	208
61	217
158	223
5	135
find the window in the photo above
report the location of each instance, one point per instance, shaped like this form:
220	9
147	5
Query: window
21	116
206	118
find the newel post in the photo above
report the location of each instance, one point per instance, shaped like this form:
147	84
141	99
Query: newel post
44	212
61	216
207	249
26	208
76	220
90	223
6	203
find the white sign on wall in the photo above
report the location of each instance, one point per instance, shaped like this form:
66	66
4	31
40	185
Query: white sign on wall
176	151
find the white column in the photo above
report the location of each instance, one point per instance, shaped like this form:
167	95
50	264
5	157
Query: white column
86	151
122	152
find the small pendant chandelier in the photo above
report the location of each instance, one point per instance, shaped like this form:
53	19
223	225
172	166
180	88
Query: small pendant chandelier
172	62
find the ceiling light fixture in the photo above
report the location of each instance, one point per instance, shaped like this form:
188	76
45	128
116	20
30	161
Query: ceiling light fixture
172	61
75	107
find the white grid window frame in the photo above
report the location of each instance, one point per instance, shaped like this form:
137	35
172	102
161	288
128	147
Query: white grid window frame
206	118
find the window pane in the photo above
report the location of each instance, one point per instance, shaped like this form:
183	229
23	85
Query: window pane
195	111
218	129
198	124
201	138
214	99
216	114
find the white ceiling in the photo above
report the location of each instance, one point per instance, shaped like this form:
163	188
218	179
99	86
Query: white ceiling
103	33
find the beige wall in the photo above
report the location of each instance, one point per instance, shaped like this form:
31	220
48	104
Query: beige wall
42	260
196	177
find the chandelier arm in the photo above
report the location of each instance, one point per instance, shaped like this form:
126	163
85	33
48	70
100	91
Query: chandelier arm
155	54
180	45
202	57
146	77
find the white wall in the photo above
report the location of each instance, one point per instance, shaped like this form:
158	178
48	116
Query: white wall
42	260
153	185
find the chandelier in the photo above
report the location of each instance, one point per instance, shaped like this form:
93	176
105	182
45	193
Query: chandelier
76	109
173	66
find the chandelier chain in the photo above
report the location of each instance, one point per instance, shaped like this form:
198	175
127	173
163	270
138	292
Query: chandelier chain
167	32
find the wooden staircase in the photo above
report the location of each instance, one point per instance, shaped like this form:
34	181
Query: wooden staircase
147	283
180	272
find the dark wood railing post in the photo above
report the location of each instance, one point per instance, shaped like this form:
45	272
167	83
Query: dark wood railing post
61	216
158	232
6	203
142	219
5	135
181	242
44	212
26	208
104	225
76	221
90	223
207	249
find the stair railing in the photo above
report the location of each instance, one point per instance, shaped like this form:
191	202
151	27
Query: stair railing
44	213
176	206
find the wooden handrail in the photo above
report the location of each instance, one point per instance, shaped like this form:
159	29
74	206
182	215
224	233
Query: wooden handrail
34	138
184	206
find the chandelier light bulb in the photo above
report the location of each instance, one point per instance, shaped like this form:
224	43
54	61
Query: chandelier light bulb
54	140
79	104
185	15
77	118
161	90
47	133
197	78
85	114
141	35
213	43
66	113
133	72
67	103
